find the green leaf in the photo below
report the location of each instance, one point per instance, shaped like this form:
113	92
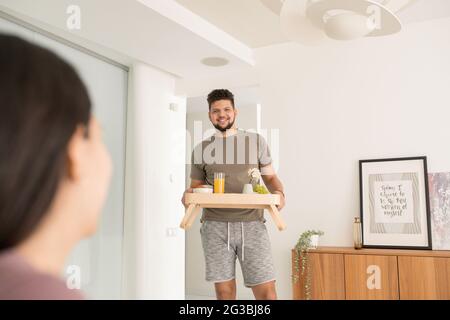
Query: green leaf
301	249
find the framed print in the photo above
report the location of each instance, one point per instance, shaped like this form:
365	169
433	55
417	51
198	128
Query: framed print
394	199
439	184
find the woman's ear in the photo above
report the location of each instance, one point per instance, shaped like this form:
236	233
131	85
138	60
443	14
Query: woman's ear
75	153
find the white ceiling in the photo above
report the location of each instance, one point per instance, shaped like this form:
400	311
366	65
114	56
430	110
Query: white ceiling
161	33
255	25
426	10
247	20
175	35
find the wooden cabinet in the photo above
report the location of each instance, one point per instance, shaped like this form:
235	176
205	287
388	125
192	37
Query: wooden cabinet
424	278
328	282
373	274
371	277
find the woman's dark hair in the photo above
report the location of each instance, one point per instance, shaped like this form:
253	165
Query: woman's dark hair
220	94
42	102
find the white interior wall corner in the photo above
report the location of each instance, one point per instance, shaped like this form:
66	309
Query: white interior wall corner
153	262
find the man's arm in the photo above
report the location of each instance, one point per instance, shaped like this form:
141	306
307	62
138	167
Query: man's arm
194	184
273	183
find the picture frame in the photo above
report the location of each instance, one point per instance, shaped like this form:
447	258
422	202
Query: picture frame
394	203
439	185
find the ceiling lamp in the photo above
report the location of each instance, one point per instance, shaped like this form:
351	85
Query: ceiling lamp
347	26
315	21
215	62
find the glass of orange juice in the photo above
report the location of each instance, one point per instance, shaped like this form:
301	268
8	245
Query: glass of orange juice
219	182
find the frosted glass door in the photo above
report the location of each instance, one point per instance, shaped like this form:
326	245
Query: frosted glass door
100	257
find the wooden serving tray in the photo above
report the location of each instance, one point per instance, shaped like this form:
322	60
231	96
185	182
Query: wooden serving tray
196	201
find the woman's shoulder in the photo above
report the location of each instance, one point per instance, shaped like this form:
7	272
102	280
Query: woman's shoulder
39	287
19	281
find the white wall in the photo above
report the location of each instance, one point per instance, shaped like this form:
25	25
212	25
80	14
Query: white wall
370	99
155	179
338	104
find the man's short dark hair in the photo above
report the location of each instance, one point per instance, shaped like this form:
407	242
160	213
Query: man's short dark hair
220	94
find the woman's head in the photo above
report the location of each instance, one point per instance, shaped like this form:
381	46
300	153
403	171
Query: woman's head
50	147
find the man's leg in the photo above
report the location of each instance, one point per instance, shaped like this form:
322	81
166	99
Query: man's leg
256	260
265	291
220	258
226	290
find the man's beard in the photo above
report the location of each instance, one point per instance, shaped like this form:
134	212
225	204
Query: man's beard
228	127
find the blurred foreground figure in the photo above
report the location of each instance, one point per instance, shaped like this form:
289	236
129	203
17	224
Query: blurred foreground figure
54	170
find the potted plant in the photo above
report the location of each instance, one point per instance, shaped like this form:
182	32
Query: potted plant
308	239
255	180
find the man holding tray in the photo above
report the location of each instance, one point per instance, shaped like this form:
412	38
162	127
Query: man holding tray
228	234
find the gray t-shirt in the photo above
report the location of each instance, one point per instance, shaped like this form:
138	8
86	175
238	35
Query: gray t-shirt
235	156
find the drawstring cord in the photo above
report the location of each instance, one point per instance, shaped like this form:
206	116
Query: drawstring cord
243	241
228	235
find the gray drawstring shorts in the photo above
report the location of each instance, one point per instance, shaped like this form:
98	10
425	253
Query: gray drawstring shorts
223	242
